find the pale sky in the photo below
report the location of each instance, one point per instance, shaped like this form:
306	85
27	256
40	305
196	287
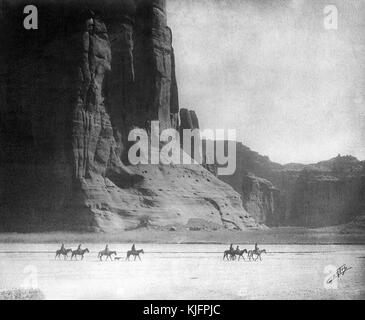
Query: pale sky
293	90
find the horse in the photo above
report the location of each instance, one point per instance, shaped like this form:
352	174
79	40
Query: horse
226	254
255	252
79	252
229	254
64	252
240	254
106	253
134	253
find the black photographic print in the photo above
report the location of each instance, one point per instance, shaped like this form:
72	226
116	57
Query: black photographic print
201	150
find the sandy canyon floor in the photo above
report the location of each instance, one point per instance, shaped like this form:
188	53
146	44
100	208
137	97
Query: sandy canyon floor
186	271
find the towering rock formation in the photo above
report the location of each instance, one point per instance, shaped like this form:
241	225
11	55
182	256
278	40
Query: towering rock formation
70	92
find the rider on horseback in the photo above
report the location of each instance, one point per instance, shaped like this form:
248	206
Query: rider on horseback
256	248
133	248
231	247
62	247
79	247
106	248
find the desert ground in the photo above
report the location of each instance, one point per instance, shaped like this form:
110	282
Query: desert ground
186	271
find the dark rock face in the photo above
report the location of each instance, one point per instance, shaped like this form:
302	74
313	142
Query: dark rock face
261	199
322	194
70	92
324	200
188	119
189	122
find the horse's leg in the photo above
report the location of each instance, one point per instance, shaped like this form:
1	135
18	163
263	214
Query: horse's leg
139	258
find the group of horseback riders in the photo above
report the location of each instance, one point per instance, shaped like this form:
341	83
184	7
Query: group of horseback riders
238	248
232	253
228	254
106	252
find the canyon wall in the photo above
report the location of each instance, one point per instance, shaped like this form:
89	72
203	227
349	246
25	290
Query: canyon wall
70	93
261	199
322	194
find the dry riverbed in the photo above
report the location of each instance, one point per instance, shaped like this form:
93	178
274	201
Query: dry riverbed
186	271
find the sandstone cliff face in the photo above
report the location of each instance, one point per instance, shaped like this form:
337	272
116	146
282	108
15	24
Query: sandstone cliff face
70	92
323	194
261	199
322	200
